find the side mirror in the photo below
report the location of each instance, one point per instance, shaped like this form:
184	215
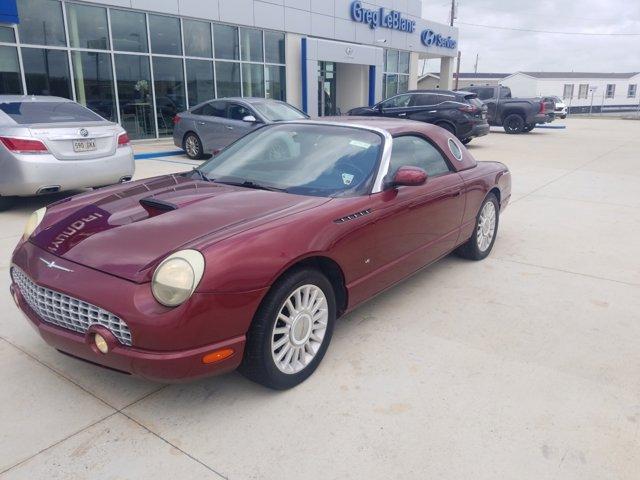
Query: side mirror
249	119
409	177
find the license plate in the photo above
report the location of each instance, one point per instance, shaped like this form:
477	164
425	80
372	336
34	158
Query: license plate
87	145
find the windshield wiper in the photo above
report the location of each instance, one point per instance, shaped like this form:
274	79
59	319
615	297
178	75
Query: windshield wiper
252	184
201	174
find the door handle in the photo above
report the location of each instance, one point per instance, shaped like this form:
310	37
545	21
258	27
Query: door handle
229	127
432	111
402	114
202	123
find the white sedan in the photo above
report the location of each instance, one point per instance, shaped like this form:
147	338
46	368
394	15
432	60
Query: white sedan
52	144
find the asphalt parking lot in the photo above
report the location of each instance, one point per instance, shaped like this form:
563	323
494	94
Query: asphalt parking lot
524	365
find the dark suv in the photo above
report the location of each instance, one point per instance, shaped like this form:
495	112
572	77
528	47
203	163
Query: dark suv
461	113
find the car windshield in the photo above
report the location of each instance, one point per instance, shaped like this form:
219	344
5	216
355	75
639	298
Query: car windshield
48	112
278	112
305	159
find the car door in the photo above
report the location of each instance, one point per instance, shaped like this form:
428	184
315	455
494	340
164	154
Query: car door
234	125
209	124
425	108
416	225
396	107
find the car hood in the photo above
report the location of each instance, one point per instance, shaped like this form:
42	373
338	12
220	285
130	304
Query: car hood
128	229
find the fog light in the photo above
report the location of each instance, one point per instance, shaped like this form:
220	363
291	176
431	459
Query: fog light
218	355
101	343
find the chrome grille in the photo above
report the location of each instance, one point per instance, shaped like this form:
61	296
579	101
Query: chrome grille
68	312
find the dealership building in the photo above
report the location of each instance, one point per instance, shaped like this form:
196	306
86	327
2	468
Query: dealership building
139	62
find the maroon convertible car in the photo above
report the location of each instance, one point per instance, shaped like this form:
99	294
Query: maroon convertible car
247	261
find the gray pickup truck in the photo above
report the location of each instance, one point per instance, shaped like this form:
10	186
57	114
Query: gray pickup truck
515	115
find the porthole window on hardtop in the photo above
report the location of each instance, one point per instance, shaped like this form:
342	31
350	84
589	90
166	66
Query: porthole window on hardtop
455	149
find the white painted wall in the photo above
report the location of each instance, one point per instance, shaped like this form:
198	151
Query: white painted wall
352	86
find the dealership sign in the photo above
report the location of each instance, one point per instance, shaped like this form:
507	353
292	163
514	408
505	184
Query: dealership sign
394	20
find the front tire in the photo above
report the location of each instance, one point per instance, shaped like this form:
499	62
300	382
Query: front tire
291	330
514	123
528	127
193	146
480	244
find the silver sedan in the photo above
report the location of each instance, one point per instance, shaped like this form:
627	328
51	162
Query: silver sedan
208	127
51	144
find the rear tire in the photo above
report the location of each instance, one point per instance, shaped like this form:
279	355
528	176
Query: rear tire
465	141
449	128
513	123
192	146
480	244
285	322
6	203
528	127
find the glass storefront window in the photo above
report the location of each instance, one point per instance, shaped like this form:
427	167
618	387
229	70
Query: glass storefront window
274	47
197	38
275	82
392	85
87	26
403	83
46	72
252	80
9	71
403	62
41	22
129	31
251	44
165	35
391	64
7	35
94	82
200	81
225	41
228	79
169	86
134	95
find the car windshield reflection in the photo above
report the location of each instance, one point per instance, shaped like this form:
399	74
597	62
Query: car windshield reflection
304	159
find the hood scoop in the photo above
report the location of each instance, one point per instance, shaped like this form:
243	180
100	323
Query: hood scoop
155	206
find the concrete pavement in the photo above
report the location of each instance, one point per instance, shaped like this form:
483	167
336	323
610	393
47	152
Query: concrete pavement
522	366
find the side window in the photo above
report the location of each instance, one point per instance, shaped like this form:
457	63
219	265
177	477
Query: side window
424	99
505	92
399	101
218	109
237	112
484	93
412	151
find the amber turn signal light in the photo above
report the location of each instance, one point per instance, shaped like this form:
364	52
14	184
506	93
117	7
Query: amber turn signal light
218	355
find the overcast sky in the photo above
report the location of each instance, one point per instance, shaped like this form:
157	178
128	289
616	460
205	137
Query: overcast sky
509	51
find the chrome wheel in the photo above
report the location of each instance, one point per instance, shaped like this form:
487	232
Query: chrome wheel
192	146
486	226
299	329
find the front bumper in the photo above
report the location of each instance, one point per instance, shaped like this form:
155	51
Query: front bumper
480	130
167	344
24	175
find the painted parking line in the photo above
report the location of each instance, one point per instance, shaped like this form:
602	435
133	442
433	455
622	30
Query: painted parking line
146	156
557	127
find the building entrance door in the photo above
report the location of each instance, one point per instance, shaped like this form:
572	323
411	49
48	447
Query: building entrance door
327	95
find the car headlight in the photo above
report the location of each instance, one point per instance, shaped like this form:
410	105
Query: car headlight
34	220
177	277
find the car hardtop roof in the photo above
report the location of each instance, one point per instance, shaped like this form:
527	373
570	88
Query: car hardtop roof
31	98
246	100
